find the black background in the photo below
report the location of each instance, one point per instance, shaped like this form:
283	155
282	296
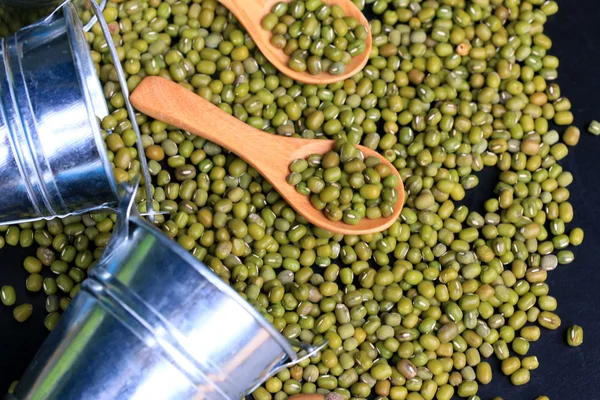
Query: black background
565	372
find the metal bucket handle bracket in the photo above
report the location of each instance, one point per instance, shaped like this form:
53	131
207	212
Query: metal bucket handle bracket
310	349
130	111
124	210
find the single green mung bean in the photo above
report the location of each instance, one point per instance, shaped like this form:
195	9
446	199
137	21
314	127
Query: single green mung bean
64	283
530	362
484	373
549	320
510	365
51	320
34	282
571	136
32	265
8	295
22	312
520	377
594	128
576	236
575	336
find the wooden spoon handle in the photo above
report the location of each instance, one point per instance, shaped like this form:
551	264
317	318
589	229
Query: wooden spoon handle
169	102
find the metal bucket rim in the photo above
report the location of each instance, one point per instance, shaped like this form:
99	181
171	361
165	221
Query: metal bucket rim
72	22
163	240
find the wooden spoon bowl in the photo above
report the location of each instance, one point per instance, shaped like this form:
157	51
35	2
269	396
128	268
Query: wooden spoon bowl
271	155
250	13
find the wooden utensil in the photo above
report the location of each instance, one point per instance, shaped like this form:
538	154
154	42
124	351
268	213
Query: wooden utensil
269	154
250	14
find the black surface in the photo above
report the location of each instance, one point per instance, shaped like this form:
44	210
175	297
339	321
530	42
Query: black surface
565	373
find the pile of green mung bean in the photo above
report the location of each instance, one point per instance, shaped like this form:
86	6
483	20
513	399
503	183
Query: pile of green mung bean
345	185
316	36
417	311
64	251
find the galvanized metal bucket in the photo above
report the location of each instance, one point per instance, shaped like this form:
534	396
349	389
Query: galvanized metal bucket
152	322
53	160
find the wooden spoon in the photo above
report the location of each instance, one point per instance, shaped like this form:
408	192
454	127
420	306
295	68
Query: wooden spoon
250	13
269	154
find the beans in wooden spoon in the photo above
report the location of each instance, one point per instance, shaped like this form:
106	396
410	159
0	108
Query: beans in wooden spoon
250	13
271	155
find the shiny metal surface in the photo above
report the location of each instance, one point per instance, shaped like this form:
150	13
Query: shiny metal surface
52	156
152	322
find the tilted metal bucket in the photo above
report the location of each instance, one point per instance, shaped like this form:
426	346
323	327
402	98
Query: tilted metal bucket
152	322
53	160
52	156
